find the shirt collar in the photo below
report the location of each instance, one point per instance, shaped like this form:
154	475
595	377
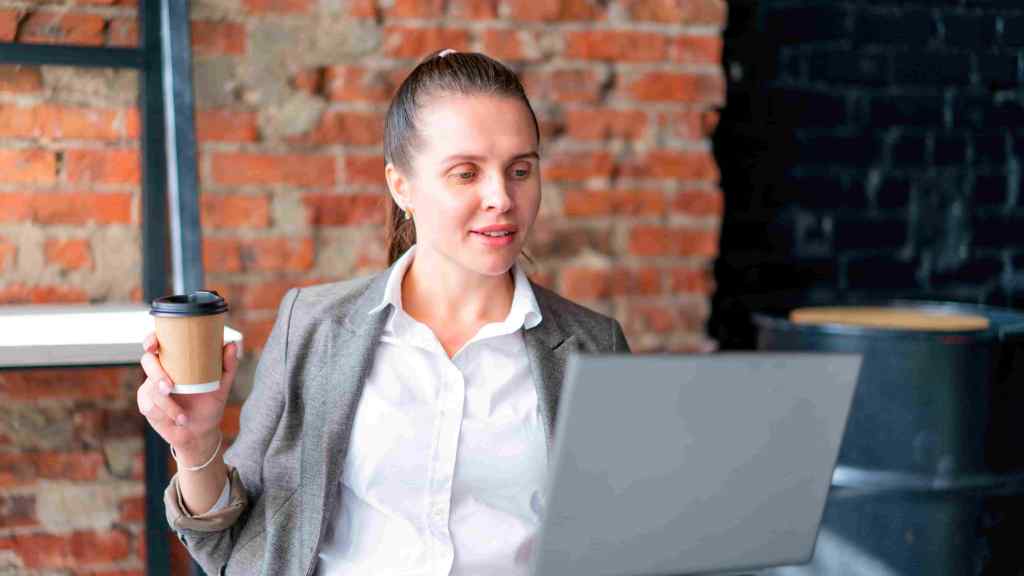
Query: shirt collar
524	311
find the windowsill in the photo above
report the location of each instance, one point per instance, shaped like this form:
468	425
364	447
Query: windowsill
50	335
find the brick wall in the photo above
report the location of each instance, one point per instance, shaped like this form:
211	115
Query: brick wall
290	101
870	150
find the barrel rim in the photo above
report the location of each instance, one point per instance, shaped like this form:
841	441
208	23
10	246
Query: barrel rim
1004	323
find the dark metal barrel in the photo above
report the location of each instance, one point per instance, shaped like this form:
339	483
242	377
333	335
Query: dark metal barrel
930	476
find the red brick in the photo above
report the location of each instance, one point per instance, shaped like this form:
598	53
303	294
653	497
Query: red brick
647	318
564	240
15	207
227	126
690	165
264	295
17	510
108	166
276	6
553	10
8	25
583	203
504	44
20	79
579	166
123	33
82	208
235	211
133	509
359	84
696	49
415	9
256	331
344	209
250	168
28	166
691	280
19	122
564	85
218	38
222	254
650	240
60	384
22	468
699	203
600	283
415	43
59	122
344	127
278	254
709	122
75	550
8	250
601	124
677	87
57	27
310	80
473	9
364	170
71	254
132	127
19	293
616	45
364	9
703	12
685	124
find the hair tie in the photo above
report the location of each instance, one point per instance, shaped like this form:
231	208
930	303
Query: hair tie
445	52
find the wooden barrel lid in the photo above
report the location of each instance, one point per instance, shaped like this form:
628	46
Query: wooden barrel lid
891	318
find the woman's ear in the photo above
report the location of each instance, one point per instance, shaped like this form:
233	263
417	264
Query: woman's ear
398	186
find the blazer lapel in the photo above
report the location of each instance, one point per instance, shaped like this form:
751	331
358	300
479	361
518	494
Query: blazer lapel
548	346
331	403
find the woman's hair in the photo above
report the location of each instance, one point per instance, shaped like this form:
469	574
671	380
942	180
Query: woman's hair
443	72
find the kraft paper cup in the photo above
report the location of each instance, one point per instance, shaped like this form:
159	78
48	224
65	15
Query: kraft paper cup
190	332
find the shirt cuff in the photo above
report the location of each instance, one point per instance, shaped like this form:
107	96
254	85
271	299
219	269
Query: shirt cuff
225	512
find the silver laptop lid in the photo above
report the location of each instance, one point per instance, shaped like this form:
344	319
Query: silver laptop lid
692	464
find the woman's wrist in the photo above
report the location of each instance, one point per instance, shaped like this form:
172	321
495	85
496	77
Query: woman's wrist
199	452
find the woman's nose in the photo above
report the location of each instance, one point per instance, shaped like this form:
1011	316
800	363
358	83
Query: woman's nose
496	194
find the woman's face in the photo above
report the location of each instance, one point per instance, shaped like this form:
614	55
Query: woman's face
474	187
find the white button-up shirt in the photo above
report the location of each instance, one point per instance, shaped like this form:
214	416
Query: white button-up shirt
446	464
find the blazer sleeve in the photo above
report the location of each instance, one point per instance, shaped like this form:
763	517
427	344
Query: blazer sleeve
619	343
210	537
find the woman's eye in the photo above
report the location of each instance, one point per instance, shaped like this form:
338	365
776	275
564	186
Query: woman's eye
521	172
464	176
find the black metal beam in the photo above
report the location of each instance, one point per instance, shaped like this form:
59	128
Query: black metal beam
54	55
182	179
155	278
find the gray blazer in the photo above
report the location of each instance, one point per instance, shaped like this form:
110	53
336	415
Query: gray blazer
286	462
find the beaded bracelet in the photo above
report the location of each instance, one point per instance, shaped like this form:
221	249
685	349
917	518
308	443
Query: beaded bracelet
203	465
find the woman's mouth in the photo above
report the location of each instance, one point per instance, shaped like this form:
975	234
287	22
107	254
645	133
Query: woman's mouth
495	235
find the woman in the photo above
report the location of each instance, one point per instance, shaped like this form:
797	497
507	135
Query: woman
399	424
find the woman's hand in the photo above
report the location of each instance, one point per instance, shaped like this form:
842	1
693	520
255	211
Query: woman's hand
188	422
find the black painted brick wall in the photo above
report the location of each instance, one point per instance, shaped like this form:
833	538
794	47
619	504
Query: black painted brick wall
870	150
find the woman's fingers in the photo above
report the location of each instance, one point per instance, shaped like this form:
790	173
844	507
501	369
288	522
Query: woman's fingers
151	365
230	366
157	393
150	343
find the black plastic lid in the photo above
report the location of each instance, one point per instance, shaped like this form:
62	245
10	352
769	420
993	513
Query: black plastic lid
197	303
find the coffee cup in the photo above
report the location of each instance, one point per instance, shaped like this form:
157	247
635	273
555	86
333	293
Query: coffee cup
190	333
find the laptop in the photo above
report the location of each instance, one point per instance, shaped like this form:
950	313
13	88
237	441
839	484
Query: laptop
709	464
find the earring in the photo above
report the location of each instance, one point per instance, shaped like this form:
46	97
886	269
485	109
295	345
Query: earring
408	214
